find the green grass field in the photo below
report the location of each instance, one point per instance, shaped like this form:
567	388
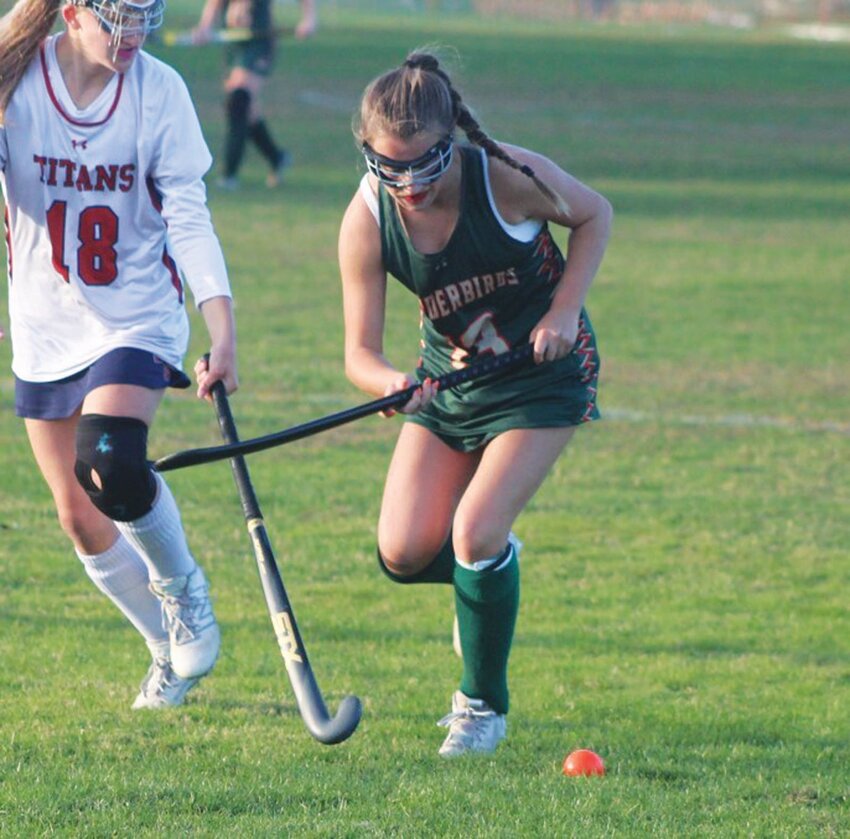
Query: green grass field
685	576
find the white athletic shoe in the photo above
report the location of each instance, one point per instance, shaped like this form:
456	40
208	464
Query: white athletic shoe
514	540
162	687
474	727
187	614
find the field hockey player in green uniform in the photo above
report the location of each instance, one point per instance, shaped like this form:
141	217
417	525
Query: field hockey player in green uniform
250	63
465	227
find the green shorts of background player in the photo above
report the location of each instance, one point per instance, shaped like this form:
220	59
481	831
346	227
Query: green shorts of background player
465	228
249	63
255	56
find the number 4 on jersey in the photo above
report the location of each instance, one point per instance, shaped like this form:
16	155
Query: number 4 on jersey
481	335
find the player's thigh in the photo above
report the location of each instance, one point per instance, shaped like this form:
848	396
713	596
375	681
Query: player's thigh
52	443
512	468
425	480
119	400
242	77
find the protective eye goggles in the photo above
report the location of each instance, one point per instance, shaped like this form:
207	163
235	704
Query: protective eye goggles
424	170
121	19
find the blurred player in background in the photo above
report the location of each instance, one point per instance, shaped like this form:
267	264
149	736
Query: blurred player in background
101	152
465	228
250	63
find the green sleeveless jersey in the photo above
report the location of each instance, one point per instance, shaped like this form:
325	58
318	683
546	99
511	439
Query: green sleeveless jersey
483	294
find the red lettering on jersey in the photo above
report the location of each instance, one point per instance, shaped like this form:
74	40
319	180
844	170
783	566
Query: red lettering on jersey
69	166
42	162
84	183
107	178
127	174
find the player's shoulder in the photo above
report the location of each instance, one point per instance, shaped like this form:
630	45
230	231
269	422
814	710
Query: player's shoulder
155	73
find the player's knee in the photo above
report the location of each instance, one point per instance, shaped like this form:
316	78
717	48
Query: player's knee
112	465
400	568
476	538
77	518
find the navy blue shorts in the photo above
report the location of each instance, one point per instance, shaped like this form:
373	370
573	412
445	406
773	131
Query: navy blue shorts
125	366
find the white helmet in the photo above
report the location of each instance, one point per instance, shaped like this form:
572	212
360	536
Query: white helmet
122	18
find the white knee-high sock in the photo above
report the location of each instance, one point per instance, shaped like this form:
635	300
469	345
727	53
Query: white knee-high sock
158	536
122	576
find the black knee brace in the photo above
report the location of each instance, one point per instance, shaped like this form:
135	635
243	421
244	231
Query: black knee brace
112	465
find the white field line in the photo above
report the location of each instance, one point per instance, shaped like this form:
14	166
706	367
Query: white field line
821	32
337	104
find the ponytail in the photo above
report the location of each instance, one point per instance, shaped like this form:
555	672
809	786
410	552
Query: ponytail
21	32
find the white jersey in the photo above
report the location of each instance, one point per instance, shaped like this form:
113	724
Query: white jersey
102	206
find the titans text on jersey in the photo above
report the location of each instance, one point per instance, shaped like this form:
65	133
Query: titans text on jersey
68	173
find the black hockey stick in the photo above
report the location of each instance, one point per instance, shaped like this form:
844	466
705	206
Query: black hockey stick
311	705
194	457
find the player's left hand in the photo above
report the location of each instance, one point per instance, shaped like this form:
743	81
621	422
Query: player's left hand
220	366
421	396
554	336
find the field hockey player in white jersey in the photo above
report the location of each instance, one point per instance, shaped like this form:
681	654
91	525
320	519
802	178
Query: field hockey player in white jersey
102	161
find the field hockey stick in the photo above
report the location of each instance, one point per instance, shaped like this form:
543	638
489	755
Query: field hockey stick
193	457
311	705
222	36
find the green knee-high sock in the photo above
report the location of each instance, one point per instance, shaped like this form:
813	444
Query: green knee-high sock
440	570
487	603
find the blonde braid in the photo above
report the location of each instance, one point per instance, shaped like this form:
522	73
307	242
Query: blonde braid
465	120
476	135
21	32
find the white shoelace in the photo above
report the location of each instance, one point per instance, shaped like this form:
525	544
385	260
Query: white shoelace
159	676
186	614
465	724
